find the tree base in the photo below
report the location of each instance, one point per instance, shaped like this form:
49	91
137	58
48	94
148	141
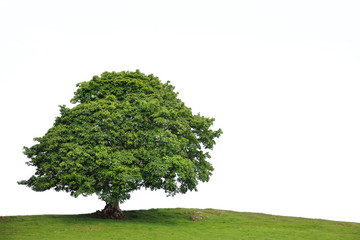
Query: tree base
110	212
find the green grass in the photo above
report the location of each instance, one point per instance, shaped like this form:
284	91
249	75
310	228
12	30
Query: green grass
172	224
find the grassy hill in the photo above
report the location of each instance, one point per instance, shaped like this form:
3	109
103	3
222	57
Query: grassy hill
172	224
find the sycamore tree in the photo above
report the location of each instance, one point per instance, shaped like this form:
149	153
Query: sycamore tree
127	130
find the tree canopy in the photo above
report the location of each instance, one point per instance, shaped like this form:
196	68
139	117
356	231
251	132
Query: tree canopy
127	130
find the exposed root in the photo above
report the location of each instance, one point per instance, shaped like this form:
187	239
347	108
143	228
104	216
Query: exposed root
110	212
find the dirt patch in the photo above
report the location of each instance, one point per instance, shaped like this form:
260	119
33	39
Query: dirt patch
200	215
217	213
192	212
196	218
345	224
4	219
92	229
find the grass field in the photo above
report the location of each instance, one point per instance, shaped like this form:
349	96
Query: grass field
174	224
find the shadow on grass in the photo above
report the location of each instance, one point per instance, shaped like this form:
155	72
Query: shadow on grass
151	216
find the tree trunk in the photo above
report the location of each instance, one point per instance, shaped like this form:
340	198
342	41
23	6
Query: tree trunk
111	211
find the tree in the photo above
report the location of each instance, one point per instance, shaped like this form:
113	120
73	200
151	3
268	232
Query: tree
127	131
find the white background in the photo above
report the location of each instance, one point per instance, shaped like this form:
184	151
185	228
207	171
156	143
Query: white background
281	79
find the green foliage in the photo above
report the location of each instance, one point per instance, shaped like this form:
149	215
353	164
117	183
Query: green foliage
127	131
176	224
